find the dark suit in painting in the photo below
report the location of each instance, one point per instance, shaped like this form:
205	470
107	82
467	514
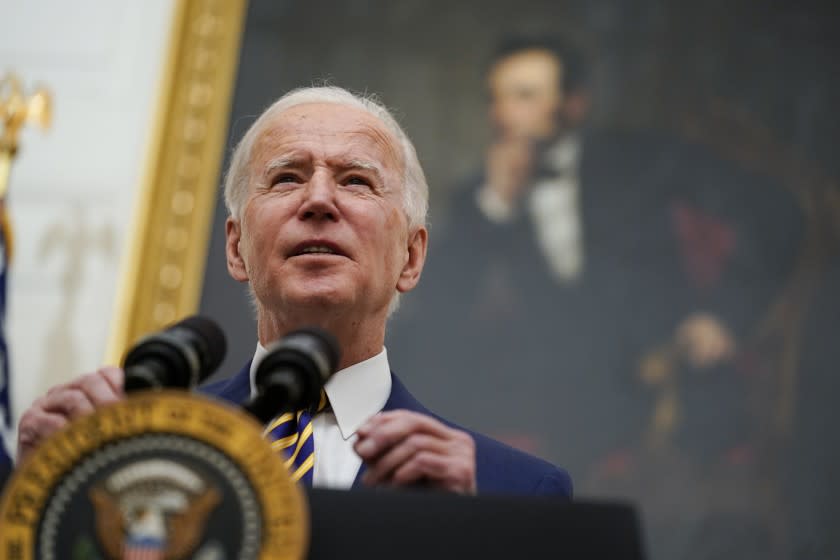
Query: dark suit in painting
548	358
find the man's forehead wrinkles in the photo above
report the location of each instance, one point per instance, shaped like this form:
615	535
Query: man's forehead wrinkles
298	133
281	136
339	146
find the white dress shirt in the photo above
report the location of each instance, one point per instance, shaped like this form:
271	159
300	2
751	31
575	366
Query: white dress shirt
554	207
356	393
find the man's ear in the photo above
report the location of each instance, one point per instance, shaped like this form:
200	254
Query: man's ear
417	245
235	262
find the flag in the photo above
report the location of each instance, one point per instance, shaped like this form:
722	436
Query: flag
5	378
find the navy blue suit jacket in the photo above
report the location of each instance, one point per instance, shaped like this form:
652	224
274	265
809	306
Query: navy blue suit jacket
500	469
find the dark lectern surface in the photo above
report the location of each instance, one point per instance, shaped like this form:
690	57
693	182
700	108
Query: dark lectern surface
406	525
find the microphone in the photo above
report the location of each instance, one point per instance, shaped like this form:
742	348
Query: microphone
180	356
293	372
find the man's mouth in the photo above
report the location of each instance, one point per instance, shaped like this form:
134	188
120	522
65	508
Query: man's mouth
317	248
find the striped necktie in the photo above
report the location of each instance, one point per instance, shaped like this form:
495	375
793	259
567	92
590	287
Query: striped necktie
291	434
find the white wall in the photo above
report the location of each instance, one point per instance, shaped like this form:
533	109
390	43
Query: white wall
73	188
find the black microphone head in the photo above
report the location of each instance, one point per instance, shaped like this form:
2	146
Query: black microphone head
296	367
318	341
210	339
180	356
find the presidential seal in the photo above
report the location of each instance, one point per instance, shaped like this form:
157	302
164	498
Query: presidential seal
161	475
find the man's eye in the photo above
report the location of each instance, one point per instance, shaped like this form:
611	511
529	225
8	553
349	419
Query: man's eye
357	180
284	178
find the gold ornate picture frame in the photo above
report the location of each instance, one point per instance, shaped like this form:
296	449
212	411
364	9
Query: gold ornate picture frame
161	276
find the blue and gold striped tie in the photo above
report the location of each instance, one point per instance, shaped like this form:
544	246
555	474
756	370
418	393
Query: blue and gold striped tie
291	434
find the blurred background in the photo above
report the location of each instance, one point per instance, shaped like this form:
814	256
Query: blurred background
634	263
633	267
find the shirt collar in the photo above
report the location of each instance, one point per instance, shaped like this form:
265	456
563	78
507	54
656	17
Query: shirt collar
563	156
356	392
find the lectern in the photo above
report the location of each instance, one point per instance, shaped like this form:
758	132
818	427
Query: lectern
374	524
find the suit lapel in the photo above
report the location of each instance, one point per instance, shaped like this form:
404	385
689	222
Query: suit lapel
235	390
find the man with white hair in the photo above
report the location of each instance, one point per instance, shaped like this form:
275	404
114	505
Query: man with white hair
327	205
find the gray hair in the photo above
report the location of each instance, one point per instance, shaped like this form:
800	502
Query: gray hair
415	188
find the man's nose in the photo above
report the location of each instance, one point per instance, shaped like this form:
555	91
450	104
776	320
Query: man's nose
319	200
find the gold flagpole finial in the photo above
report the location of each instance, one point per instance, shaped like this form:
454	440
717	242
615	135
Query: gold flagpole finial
17	110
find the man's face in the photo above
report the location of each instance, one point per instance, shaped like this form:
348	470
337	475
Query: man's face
323	228
525	97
